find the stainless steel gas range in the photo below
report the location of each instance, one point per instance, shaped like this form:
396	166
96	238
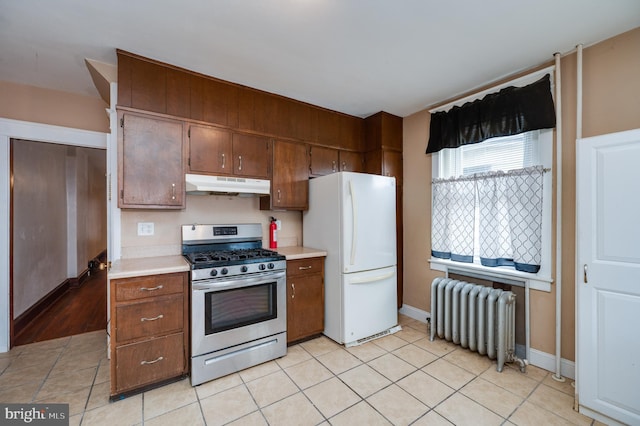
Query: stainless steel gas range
238	299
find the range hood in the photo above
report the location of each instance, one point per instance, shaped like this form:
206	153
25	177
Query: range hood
226	185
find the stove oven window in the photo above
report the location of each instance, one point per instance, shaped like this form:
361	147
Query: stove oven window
228	309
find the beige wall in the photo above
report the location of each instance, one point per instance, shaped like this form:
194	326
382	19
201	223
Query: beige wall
203	209
29	103
611	103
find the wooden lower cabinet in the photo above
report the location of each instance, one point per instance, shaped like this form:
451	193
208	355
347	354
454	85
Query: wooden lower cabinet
305	298
149	331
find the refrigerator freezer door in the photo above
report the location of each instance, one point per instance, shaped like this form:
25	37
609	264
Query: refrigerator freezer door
369	303
368	222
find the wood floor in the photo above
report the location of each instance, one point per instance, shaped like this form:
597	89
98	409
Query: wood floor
79	310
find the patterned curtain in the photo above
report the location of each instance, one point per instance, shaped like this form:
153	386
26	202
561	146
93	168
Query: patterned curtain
452	225
509	209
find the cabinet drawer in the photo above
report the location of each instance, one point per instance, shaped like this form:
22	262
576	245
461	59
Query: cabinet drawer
310	265
149	286
150	361
146	319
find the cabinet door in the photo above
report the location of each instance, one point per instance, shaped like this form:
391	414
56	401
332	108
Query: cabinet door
150	165
392	164
305	310
323	161
290	182
351	162
251	156
210	150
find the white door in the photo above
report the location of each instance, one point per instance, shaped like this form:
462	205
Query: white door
369	222
369	303
608	276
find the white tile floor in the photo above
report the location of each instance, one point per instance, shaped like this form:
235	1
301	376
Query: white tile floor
400	379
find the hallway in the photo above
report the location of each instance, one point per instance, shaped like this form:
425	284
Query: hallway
79	310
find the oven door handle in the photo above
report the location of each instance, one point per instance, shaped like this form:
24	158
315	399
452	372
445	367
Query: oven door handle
239	282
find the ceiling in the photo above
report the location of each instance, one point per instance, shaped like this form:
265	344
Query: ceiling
354	56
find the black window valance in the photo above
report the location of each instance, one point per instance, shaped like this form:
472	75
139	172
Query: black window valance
510	111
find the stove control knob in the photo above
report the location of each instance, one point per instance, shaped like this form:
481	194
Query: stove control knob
244	269
262	267
213	273
270	265
224	271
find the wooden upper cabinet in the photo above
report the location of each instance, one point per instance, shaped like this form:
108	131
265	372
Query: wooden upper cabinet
383	130
150	165
323	161
210	150
392	164
351	161
251	156
290	180
213	101
327	127
152	87
218	151
351	133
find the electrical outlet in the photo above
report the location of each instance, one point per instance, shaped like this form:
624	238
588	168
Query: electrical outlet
145	228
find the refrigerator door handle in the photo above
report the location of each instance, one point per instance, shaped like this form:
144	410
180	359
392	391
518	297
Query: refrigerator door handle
354	226
372	279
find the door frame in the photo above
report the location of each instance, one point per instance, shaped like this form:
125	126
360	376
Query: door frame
16	129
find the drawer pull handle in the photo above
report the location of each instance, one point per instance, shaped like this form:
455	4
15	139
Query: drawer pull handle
151	288
293	290
152	319
304	268
160	358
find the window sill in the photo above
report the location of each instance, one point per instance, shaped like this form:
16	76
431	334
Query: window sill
499	273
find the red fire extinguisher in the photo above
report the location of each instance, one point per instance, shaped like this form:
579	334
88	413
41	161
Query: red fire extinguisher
273	238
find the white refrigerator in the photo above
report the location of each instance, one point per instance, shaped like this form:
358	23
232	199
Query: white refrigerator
352	216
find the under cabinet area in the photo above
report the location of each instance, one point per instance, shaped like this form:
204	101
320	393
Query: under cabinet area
150	162
305	298
149	330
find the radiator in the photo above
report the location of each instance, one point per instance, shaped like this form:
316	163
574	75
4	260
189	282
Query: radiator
476	317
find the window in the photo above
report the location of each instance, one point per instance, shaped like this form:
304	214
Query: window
501	154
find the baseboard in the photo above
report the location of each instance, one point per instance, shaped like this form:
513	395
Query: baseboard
79	280
536	357
25	318
548	362
415	313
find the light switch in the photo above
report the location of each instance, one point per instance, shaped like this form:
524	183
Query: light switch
145	228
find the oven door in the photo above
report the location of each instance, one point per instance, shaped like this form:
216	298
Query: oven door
228	312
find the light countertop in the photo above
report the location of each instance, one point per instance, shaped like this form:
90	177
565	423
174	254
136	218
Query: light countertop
298	252
135	267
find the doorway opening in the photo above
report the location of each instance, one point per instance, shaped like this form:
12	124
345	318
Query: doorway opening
58	240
